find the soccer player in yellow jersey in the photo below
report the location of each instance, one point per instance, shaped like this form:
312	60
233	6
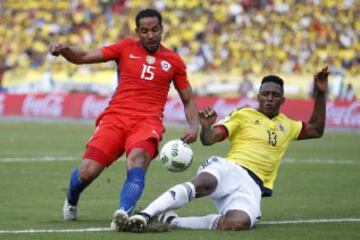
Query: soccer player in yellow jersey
259	138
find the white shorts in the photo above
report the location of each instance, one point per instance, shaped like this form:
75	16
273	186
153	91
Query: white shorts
236	190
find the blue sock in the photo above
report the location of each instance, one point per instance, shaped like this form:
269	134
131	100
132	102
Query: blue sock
132	189
75	187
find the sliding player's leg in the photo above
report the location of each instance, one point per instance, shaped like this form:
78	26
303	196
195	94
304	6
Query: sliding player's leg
177	196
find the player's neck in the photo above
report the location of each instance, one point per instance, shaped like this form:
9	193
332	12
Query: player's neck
268	115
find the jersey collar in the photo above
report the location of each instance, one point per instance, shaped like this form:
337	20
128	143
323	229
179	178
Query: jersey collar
271	119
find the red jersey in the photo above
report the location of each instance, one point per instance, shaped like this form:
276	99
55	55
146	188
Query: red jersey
143	78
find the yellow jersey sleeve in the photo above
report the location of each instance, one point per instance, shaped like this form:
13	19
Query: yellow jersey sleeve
232	122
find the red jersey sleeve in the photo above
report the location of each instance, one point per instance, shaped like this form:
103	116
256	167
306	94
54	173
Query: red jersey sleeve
180	76
223	129
114	50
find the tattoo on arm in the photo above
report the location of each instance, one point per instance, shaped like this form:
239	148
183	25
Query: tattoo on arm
211	135
206	136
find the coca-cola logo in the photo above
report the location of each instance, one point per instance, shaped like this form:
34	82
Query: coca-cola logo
2	103
43	106
223	108
92	107
174	109
343	116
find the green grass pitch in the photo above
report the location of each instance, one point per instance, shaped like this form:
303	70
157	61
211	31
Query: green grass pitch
318	180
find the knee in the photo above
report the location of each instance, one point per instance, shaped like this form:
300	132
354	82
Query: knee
204	189
238	225
89	170
234	224
138	158
86	175
205	184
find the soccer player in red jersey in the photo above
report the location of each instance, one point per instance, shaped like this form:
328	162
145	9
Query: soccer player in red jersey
132	122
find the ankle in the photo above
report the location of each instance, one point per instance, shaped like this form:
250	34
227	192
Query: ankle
145	215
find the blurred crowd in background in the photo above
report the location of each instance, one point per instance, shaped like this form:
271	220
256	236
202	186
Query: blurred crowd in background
240	37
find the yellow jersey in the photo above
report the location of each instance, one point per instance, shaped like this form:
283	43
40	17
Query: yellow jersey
259	143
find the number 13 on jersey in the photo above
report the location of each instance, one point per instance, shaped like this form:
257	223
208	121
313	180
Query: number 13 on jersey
147	72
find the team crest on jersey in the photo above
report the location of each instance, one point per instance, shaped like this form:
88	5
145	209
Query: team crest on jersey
165	65
150	59
281	128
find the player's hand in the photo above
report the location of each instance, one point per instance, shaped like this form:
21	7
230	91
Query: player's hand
207	117
190	135
321	80
55	48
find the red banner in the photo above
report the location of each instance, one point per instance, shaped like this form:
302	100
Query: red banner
89	106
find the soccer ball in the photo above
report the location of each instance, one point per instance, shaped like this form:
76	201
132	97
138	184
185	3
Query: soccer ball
176	156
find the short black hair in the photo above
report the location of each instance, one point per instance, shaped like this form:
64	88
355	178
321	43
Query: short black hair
147	13
274	79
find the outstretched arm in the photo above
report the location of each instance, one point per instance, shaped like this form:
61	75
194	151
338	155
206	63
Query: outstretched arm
316	124
76	55
208	134
191	113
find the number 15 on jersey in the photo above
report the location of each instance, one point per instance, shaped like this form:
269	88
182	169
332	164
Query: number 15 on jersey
147	72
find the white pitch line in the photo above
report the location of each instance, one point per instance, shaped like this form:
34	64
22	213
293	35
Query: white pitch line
40	159
78	158
339	220
302	221
54	230
321	161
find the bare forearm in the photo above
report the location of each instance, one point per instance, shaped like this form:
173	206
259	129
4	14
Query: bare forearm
318	116
208	136
72	54
76	55
191	114
316	124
